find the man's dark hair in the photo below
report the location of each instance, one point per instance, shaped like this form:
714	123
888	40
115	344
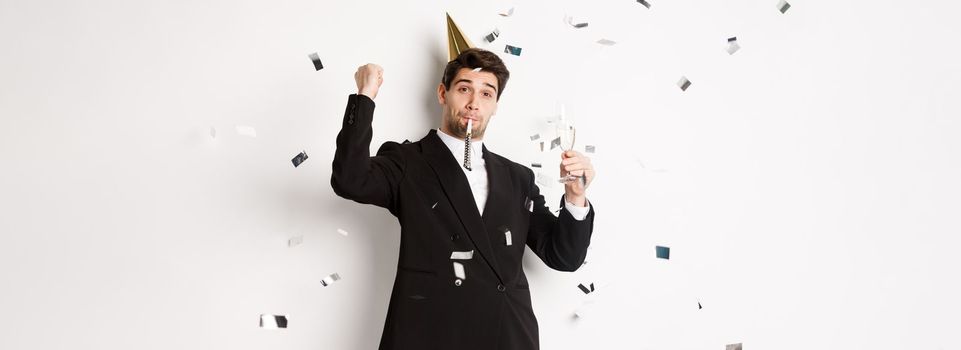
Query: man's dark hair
477	58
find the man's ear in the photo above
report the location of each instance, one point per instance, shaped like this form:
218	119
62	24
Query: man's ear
441	94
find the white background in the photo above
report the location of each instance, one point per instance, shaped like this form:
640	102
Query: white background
807	185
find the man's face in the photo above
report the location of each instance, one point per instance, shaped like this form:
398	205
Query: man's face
472	95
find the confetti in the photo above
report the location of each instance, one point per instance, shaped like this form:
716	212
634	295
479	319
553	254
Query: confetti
783	6
508	13
606	42
513	50
298	159
589	149
663	252
542	146
555	143
585	289
535	165
493	35
462	255
507	238
544	180
314	57
734	347
529	204
295	241
459	271
342	232
434	206
244	130
475	70
330	279
645	3
699	305
684	83
273	321
213	132
535	137
732	45
570	20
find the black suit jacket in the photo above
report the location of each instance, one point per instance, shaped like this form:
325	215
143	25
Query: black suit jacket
423	186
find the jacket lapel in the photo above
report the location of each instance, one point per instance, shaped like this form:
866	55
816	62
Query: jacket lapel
459	193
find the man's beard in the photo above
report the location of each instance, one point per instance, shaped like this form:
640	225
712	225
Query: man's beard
460	130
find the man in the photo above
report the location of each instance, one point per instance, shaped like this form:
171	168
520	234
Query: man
460	204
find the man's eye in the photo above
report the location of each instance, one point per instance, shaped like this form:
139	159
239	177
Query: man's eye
462	89
487	94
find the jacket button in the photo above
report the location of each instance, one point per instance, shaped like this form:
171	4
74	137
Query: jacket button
458	282
351	120
501	288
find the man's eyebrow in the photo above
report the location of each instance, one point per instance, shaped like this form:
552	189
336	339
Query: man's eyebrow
462	80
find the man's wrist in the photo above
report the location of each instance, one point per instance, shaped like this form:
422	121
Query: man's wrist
580	201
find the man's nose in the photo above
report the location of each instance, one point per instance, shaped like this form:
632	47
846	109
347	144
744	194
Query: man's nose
472	103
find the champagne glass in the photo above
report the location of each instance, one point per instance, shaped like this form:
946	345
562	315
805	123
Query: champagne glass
568	134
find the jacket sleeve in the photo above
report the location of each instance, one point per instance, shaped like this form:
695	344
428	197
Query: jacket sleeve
561	242
358	176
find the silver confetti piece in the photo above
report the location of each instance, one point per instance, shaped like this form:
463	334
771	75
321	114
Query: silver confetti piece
295	241
342	232
314	57
783	6
584	288
535	137
273	321
645	3
544	180
213	132
330	279
684	83
606	42
570	21
459	271
535	165
734	347
462	255
555	143
589	149
507	13
493	35
507	238
299	159
732	45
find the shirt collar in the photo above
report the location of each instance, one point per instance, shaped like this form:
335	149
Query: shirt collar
456	146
